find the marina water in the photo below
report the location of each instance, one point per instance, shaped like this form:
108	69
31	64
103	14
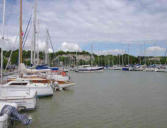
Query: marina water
109	99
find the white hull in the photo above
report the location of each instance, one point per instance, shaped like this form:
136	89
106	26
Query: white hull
43	91
23	104
116	68
88	68
161	70
57	77
24	98
150	69
90	71
64	85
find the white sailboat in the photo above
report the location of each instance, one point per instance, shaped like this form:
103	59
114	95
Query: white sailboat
88	68
58	80
25	99
42	86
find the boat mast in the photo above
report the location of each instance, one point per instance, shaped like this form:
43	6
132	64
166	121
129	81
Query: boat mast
122	58
46	49
3	26
3	20
38	43
33	52
144	55
128	55
91	57
76	59
21	33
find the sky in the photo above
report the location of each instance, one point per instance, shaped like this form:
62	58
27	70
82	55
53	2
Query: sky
137	27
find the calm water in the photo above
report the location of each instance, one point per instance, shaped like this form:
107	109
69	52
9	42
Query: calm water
112	99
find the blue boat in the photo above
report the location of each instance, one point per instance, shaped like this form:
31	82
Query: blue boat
125	68
40	67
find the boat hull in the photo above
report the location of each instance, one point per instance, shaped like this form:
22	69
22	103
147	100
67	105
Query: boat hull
23	104
64	85
24	98
44	91
58	77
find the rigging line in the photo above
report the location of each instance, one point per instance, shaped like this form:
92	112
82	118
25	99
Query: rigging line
16	41
25	35
50	41
28	31
11	53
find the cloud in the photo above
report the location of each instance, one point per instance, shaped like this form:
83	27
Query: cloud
9	43
111	52
155	51
50	50
87	21
70	47
105	20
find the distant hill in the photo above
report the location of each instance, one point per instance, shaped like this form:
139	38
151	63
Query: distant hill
61	58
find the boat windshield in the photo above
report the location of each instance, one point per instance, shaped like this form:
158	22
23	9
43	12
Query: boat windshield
18	84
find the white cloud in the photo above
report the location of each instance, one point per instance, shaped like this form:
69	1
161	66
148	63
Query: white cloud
155	51
87	21
111	52
9	43
70	47
50	50
93	20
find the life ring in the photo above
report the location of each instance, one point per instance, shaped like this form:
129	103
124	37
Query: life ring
63	73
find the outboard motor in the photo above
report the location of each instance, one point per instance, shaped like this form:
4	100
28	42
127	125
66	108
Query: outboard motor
55	85
14	115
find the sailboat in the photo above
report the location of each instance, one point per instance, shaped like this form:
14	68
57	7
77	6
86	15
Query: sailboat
46	77
59	79
90	68
41	86
25	99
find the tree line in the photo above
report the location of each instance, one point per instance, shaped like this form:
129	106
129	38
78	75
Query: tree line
61	58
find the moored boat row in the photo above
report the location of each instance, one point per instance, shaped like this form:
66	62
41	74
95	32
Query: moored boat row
24	90
149	68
